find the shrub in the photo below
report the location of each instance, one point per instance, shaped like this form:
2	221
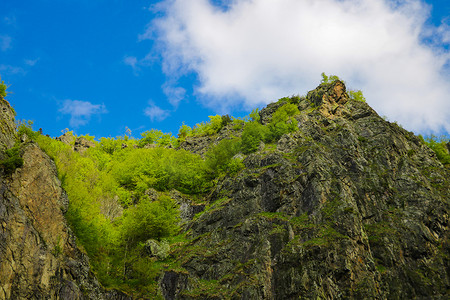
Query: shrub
13	160
219	159
283	121
3	88
150	220
26	127
329	79
157	137
439	146
184	131
356	95
252	136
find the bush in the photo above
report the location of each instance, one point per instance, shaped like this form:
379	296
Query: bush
219	159
439	146
356	95
13	161
252	136
329	79
26	127
149	220
283	121
157	137
3	88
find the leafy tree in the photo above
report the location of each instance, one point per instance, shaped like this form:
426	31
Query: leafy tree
149	220
184	131
356	95
329	79
439	146
157	137
283	121
252	136
219	159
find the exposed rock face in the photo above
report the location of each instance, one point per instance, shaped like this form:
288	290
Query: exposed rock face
82	144
39	258
7	126
349	206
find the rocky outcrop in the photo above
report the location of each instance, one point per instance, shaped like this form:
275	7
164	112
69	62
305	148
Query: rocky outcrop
7	126
79	144
39	258
349	206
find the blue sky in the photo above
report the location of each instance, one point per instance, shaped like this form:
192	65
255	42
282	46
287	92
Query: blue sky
99	67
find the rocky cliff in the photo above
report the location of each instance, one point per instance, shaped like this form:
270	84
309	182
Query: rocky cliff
39	258
348	206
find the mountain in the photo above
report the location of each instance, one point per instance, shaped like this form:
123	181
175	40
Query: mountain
330	202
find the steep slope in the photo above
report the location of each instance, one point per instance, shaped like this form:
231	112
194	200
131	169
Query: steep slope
38	255
348	206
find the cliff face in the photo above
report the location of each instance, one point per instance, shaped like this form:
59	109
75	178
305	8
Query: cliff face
38	255
349	206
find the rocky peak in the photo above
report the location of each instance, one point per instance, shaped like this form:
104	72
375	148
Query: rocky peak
348	206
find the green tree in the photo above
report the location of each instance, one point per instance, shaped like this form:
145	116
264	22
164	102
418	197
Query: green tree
149	220
283	121
3	88
252	136
219	159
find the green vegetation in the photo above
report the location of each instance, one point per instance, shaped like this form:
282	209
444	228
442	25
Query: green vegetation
440	146
215	124
3	88
119	195
13	160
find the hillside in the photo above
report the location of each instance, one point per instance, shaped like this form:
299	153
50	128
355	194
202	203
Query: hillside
311	197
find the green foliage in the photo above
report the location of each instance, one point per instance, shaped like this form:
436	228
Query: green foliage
26	127
329	79
439	146
13	161
295	99
219	159
283	121
157	137
254	115
253	134
184	131
215	124
3	88
149	220
162	169
356	95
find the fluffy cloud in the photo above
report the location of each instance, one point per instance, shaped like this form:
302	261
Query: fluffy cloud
253	52
155	113
81	111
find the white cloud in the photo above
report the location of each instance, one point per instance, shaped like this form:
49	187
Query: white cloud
132	62
174	94
254	52
81	111
155	112
5	42
31	62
